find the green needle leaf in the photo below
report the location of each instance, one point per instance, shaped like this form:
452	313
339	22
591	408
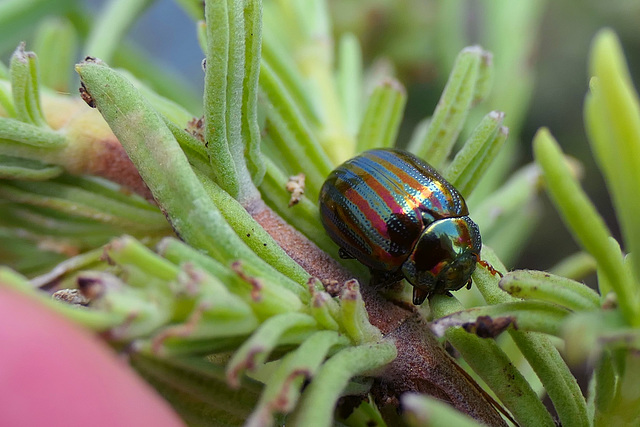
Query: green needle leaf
166	170
379	127
255	350
588	334
612	114
294	142
250	127
29	134
354	318
224	90
587	227
218	16
282	389
539	351
320	397
27	170
534	316
544	286
25	87
266	298
280	61
106	206
304	216
349	81
491	363
163	81
423	410
510	213
558	381
452	109
477	154
252	233
94	320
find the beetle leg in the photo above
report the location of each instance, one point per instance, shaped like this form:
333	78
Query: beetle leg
381	278
419	295
469	284
342	253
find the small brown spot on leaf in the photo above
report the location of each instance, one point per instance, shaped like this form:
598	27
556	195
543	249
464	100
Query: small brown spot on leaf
319	299
249	363
282	402
196	128
487	327
256	285
86	96
350	290
181	330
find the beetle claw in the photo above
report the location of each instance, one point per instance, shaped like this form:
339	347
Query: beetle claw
419	295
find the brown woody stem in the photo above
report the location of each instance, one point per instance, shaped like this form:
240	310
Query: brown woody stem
422	364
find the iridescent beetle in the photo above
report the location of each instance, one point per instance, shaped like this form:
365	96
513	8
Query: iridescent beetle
398	216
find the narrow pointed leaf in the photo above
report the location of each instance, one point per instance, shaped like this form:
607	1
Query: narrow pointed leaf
586	225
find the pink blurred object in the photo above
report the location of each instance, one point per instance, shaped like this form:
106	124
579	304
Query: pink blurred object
52	373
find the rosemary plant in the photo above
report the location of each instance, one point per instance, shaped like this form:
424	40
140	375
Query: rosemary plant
183	248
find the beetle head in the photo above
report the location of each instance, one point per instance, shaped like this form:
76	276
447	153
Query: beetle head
443	258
